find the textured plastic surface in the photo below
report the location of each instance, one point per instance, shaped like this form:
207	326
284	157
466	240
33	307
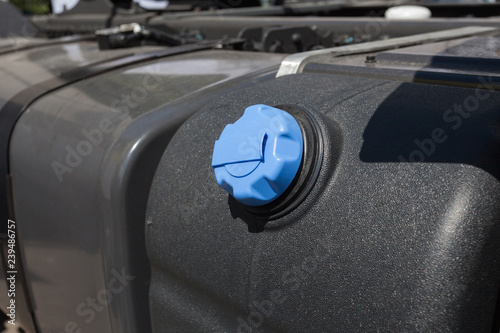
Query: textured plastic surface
257	157
65	238
379	244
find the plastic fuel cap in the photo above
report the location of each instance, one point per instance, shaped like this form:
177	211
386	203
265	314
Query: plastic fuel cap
256	159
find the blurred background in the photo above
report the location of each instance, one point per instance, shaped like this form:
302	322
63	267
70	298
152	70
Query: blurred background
30	7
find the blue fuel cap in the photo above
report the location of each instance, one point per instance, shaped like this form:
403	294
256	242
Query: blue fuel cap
257	157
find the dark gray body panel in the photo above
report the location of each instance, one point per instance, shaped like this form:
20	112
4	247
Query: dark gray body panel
381	244
22	69
82	229
400	232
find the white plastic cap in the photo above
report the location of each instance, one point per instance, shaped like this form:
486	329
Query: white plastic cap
408	13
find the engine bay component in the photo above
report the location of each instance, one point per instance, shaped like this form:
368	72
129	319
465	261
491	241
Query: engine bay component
135	34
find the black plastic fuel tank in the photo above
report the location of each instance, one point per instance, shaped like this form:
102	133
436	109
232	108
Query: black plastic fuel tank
397	231
82	158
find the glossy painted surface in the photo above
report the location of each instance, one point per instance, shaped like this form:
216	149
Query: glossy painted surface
22	69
